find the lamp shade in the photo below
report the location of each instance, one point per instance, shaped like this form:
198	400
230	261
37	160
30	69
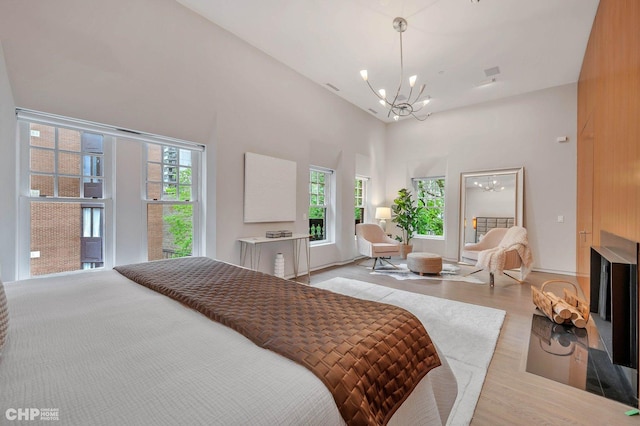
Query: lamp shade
383	212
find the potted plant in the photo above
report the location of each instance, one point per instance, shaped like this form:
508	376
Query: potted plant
405	215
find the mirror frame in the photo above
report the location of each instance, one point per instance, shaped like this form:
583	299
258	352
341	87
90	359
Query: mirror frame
519	199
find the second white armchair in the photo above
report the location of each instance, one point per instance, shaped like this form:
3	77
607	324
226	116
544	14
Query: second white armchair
374	243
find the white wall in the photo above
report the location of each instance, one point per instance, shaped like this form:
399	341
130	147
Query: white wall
8	201
155	66
508	133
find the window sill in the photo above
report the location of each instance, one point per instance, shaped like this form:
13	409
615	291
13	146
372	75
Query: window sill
429	237
321	243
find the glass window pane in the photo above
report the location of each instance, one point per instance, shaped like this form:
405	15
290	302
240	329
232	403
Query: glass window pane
169	174
170	155
169	231
154	153
169	191
55	237
42	160
92	142
41	135
69	140
154	191
92	165
185	175
154	172
93	187
68	163
185	193
41	185
68	186
185	157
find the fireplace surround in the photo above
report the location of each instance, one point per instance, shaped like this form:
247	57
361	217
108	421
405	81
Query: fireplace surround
614	299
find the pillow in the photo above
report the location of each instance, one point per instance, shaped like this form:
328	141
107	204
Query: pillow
4	317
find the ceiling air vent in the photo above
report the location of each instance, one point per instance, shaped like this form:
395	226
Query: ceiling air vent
490	72
373	111
333	87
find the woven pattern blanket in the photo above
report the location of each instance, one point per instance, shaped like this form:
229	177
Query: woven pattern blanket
369	355
515	239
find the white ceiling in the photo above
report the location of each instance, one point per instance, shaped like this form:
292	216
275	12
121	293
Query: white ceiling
448	43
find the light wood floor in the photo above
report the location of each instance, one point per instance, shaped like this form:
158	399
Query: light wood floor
510	395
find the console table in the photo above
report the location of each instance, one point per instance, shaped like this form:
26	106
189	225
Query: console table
251	246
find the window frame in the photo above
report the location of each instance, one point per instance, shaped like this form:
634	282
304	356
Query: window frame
364	183
421	200
194	201
112	136
329	182
26	197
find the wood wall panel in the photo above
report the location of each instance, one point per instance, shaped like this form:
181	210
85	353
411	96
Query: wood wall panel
609	104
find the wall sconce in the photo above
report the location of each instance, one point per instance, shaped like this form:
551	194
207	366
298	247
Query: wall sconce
382	214
474	222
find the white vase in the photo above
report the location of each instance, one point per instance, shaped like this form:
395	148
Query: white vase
278	269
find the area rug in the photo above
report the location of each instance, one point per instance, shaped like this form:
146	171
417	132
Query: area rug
449	273
465	334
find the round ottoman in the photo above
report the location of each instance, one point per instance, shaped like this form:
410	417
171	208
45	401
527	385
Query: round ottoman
424	263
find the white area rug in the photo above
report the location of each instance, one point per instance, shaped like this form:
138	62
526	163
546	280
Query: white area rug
449	273
465	334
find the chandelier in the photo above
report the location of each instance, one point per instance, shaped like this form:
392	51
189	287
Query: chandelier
398	105
492	185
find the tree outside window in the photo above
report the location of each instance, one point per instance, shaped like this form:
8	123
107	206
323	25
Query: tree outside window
430	202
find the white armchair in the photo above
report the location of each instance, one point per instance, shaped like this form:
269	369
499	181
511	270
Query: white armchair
490	240
501	249
374	243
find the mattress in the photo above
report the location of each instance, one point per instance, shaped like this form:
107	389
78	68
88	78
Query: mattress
100	349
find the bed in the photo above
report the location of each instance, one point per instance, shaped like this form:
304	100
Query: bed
485	224
98	348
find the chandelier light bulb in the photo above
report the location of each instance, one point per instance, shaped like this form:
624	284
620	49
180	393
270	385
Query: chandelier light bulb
396	117
383	93
364	75
382	102
426	101
412	80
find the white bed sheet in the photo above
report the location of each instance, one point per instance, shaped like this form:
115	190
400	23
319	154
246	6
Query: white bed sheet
104	350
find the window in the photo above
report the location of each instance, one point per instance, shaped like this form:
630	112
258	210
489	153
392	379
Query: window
430	203
68	219
63	170
170	201
360	201
319	203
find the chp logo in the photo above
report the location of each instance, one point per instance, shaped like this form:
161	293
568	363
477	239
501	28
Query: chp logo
46	414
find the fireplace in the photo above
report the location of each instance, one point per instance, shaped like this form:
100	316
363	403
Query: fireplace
614	298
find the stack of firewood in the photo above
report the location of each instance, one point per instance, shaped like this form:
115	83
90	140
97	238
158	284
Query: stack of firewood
566	310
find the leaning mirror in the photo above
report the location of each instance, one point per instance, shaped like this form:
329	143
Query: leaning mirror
489	199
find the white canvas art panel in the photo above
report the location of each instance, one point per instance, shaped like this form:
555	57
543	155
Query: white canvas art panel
269	189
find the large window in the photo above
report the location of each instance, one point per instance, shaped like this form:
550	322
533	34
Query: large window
319	204
65	197
69	215
430	202
360	198
170	201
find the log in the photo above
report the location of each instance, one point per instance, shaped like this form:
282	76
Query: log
560	307
579	322
558	319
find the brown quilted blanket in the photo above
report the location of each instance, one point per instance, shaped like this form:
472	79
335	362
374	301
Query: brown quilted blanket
369	355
